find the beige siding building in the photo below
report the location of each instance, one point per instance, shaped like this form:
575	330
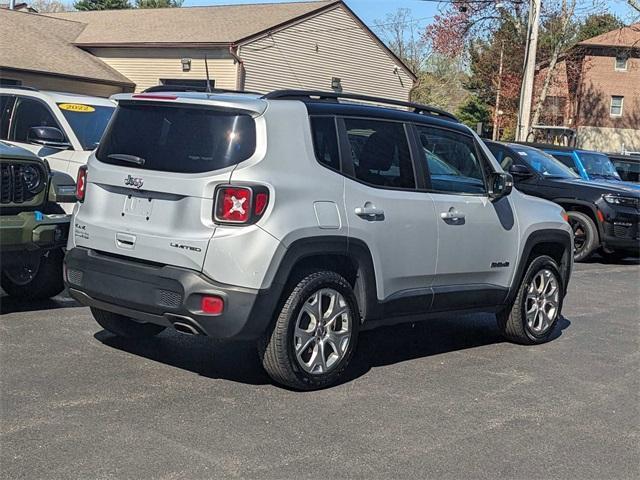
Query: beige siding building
318	45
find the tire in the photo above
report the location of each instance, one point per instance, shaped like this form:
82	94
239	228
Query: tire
513	321
122	326
585	235
45	282
329	344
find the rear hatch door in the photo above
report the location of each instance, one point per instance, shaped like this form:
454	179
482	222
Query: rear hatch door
151	183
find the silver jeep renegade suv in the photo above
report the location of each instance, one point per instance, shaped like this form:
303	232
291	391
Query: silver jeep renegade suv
298	219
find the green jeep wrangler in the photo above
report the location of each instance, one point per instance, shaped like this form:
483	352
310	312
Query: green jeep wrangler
33	227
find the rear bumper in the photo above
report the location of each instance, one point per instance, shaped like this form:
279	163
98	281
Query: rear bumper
33	231
164	295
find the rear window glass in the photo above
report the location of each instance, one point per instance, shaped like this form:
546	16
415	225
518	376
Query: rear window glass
177	138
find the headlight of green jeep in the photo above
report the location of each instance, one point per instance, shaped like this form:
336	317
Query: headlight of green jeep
621	200
32	178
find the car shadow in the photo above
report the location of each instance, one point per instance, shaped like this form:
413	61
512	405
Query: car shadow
599	259
18	305
239	362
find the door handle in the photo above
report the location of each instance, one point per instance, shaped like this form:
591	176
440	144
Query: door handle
124	240
452	215
369	211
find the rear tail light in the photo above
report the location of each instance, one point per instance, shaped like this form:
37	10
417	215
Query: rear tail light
240	205
81	183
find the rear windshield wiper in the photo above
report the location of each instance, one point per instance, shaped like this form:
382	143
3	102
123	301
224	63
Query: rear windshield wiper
127	158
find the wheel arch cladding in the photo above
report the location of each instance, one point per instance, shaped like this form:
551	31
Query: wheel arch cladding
583	207
557	244
348	257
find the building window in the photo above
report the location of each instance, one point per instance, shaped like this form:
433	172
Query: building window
621	63
616	106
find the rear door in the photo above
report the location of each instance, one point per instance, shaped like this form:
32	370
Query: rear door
386	211
477	238
151	182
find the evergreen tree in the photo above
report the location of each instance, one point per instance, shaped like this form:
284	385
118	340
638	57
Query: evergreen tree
101	4
159	3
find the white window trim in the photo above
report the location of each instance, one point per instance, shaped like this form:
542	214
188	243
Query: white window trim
621	106
615	63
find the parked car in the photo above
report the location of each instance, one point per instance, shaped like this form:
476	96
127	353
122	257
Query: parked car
295	220
588	164
33	226
627	166
603	215
61	127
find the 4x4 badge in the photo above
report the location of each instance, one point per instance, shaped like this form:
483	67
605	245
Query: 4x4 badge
133	181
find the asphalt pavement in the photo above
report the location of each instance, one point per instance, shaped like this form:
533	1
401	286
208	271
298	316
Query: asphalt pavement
446	398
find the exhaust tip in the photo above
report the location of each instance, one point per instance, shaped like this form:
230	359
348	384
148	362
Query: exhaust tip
185	328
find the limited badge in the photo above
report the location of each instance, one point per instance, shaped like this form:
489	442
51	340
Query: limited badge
76	107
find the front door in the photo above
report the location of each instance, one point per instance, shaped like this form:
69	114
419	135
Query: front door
477	238
31	112
385	210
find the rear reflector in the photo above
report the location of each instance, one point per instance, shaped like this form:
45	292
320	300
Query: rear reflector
81	183
260	203
212	305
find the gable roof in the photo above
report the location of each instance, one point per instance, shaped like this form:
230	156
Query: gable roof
39	43
628	37
225	24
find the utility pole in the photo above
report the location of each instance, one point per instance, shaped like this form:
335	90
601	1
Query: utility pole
526	92
497	109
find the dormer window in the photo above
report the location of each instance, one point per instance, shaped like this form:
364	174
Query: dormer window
621	63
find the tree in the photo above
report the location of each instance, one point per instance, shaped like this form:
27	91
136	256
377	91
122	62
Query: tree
159	3
102	4
474	111
440	78
403	36
598	24
49	6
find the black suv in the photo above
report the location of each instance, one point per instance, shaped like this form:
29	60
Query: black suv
602	214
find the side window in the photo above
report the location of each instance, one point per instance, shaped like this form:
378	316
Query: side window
6	107
29	113
325	141
452	161
504	158
380	152
566	160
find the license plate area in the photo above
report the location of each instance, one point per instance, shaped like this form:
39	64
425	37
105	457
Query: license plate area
137	206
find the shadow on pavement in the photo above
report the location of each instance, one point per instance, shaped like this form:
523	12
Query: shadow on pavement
17	305
238	361
599	259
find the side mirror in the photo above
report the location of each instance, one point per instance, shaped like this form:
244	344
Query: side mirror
47	137
520	172
500	185
62	188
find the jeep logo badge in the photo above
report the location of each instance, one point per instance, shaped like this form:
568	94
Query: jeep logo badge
133	182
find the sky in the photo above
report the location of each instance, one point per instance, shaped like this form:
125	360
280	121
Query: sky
423	10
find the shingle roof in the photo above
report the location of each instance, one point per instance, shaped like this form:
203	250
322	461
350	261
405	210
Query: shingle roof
191	25
44	44
620	37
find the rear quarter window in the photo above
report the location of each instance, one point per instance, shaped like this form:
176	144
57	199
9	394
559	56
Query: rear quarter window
181	138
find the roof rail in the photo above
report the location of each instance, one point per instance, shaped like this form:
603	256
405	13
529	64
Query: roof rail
188	88
19	87
334	97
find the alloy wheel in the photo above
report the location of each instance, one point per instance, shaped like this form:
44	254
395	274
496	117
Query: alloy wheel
579	234
542	302
322	331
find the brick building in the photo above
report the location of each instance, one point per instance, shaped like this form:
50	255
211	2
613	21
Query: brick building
595	90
